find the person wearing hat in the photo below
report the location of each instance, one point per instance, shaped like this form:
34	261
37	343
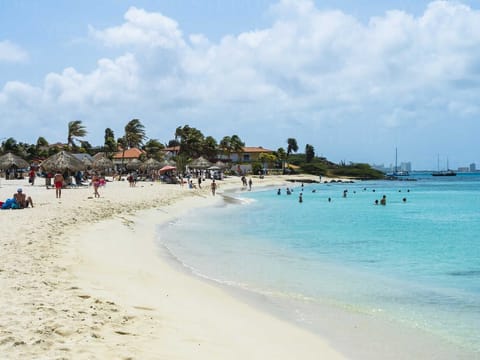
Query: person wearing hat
22	199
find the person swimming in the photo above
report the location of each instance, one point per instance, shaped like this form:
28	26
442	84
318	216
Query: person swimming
384	200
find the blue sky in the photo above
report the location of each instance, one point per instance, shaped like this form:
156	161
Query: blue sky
355	79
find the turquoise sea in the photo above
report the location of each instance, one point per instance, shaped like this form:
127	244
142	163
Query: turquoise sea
414	262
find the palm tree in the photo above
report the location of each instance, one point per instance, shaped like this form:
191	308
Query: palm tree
134	133
153	147
110	145
225	146
209	147
75	130
292	146
309	152
236	145
191	140
282	156
133	137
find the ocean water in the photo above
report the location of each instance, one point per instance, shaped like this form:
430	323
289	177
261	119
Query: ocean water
415	262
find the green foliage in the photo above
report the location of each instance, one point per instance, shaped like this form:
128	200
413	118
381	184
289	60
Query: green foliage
309	153
110	145
75	130
153	147
231	144
209	147
314	168
292	146
256	167
359	171
191	141
134	133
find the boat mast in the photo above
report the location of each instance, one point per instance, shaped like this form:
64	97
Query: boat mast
396	167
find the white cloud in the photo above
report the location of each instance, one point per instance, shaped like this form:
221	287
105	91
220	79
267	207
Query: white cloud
309	71
143	29
112	81
10	52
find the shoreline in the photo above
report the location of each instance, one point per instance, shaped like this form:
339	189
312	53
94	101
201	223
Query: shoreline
203	319
85	279
353	332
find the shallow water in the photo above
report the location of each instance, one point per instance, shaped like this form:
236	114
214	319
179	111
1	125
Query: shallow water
415	262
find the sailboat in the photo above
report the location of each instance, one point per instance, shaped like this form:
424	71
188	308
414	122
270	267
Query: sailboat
439	172
397	172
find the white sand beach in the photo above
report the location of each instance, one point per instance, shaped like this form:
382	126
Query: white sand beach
81	278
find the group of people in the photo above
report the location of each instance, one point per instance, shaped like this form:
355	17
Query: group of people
245	183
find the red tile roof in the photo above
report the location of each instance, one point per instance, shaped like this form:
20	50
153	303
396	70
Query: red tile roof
133	153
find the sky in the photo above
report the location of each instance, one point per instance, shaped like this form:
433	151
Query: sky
355	79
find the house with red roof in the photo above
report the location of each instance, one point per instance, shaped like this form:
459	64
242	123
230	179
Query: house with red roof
124	158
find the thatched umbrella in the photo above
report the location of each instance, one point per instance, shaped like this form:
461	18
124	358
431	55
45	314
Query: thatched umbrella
167	162
62	161
151	164
220	164
10	160
87	161
200	163
102	163
134	164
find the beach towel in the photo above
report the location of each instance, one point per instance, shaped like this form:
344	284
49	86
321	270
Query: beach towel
9	204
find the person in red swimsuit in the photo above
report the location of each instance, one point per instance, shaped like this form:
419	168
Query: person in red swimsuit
58	181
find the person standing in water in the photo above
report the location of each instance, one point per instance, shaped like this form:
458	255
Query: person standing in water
384	200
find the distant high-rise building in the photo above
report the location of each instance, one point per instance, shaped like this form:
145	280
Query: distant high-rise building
406	166
473	167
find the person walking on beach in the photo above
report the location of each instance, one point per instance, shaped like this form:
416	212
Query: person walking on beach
250	182
213	187
31	176
96	185
58	182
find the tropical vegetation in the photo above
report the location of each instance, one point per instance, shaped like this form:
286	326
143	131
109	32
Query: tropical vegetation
191	143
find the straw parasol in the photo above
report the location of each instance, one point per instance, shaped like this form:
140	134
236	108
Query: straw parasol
102	163
151	164
10	160
200	163
167	162
62	161
86	161
134	164
220	164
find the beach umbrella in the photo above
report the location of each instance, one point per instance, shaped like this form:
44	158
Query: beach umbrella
10	160
167	162
200	163
214	167
62	161
151	164
134	164
102	163
167	168
221	164
87	161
